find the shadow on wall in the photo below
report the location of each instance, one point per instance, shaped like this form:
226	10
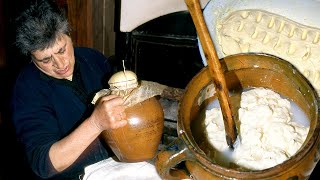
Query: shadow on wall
13	165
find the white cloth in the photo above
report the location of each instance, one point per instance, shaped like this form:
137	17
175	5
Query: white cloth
114	170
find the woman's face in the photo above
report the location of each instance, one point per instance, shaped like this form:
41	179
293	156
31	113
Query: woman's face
58	60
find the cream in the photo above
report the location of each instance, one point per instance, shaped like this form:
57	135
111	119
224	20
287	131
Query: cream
267	135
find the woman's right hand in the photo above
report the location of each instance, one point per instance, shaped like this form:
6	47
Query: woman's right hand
109	113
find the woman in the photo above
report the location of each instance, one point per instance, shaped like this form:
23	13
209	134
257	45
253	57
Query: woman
51	111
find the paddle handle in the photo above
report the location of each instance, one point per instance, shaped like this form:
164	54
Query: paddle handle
215	69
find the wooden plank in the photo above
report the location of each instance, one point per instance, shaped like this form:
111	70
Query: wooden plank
80	19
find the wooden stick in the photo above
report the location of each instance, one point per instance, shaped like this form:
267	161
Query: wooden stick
214	69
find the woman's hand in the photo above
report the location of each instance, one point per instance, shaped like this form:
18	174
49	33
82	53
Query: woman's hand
109	113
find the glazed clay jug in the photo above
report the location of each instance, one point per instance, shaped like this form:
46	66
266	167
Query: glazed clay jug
139	139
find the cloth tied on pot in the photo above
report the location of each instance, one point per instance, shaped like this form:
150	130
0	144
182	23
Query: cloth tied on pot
144	91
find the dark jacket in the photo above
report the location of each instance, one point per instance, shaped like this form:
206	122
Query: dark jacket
45	110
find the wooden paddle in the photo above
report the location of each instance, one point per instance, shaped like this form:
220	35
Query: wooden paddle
214	69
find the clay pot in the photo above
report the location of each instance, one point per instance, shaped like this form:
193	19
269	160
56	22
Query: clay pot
140	138
242	71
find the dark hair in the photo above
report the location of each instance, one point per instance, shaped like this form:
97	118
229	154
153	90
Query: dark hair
39	26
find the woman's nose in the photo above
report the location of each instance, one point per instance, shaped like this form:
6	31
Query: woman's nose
58	62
